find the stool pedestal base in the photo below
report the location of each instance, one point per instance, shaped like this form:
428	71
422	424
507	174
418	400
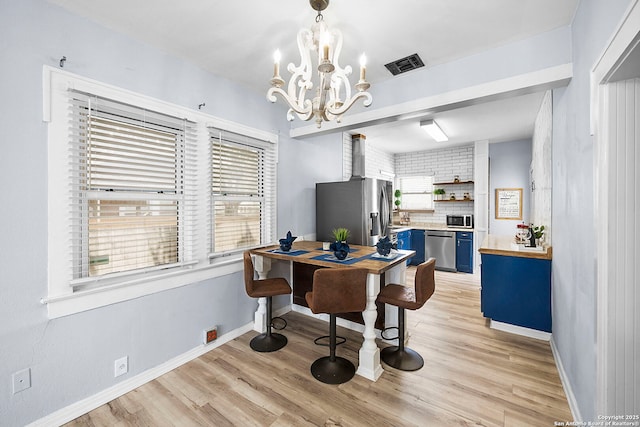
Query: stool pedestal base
404	359
268	342
338	371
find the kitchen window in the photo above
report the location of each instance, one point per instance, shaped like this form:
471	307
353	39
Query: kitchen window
416	192
144	195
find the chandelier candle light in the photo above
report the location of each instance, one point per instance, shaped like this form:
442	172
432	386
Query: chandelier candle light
333	90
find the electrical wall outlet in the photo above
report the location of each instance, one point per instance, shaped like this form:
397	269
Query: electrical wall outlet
121	366
21	380
210	334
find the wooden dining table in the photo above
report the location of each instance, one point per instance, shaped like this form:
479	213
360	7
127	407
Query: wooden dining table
382	270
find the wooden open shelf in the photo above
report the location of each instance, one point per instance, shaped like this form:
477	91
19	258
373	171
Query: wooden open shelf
453	183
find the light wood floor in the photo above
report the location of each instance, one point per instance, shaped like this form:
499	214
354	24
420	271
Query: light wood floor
473	376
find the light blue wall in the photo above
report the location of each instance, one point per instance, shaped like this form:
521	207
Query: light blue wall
71	358
574	252
509	164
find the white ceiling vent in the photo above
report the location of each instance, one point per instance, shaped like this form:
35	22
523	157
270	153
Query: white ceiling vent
405	64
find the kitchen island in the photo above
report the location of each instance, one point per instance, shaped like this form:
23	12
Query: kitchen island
381	271
516	286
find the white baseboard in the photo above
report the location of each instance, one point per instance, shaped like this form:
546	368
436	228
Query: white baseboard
80	408
566	385
519	330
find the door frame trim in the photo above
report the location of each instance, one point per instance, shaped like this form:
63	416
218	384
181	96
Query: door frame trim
622	41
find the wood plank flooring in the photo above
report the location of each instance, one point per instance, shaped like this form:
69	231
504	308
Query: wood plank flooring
473	376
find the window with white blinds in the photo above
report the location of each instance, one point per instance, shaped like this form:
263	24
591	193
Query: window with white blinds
145	195
132	188
416	192
243	174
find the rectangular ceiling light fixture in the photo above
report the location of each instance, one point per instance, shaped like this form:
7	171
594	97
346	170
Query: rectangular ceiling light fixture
432	128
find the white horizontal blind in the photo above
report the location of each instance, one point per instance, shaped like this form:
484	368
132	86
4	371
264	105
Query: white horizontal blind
132	199
416	192
243	185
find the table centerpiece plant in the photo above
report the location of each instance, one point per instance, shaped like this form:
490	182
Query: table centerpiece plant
340	247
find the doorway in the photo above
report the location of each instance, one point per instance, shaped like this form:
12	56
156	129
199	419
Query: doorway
616	127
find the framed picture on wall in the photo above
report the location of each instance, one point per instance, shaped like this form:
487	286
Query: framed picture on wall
509	203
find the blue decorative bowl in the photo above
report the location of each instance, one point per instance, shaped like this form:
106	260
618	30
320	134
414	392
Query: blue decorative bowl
340	249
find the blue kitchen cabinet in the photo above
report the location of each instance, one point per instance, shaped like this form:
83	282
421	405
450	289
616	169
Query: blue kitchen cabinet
517	290
464	251
417	244
404	241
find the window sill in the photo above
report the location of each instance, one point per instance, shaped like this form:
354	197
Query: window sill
79	301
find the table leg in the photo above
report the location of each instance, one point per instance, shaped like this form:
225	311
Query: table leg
262	266
369	355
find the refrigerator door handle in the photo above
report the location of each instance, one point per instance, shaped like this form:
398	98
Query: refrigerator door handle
384	211
373	224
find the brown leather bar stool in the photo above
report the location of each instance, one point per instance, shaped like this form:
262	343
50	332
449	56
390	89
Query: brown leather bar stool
336	290
401	357
268	341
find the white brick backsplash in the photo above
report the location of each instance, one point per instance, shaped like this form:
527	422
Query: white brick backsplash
443	164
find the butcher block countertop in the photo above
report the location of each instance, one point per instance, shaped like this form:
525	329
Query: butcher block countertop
506	246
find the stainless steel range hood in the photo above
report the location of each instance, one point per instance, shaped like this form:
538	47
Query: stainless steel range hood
358	164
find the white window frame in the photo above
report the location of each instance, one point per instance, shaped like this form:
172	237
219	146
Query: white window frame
424	195
266	191
62	299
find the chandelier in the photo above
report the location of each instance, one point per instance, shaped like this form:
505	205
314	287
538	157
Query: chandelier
332	91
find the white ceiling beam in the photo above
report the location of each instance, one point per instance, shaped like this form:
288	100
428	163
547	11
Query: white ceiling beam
523	84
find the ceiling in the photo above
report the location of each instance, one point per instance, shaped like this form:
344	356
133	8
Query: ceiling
220	36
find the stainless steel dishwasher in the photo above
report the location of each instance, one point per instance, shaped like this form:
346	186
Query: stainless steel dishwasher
441	245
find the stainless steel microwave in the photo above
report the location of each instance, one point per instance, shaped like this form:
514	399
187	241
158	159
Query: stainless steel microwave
462	221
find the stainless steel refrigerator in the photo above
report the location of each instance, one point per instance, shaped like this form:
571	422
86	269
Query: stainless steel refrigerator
362	205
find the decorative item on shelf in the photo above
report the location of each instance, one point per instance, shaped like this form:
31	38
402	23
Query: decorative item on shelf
384	246
439	193
466	196
522	233
452	196
340	247
285	244
537	233
397	194
404	218
535	236
456	178
331	95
